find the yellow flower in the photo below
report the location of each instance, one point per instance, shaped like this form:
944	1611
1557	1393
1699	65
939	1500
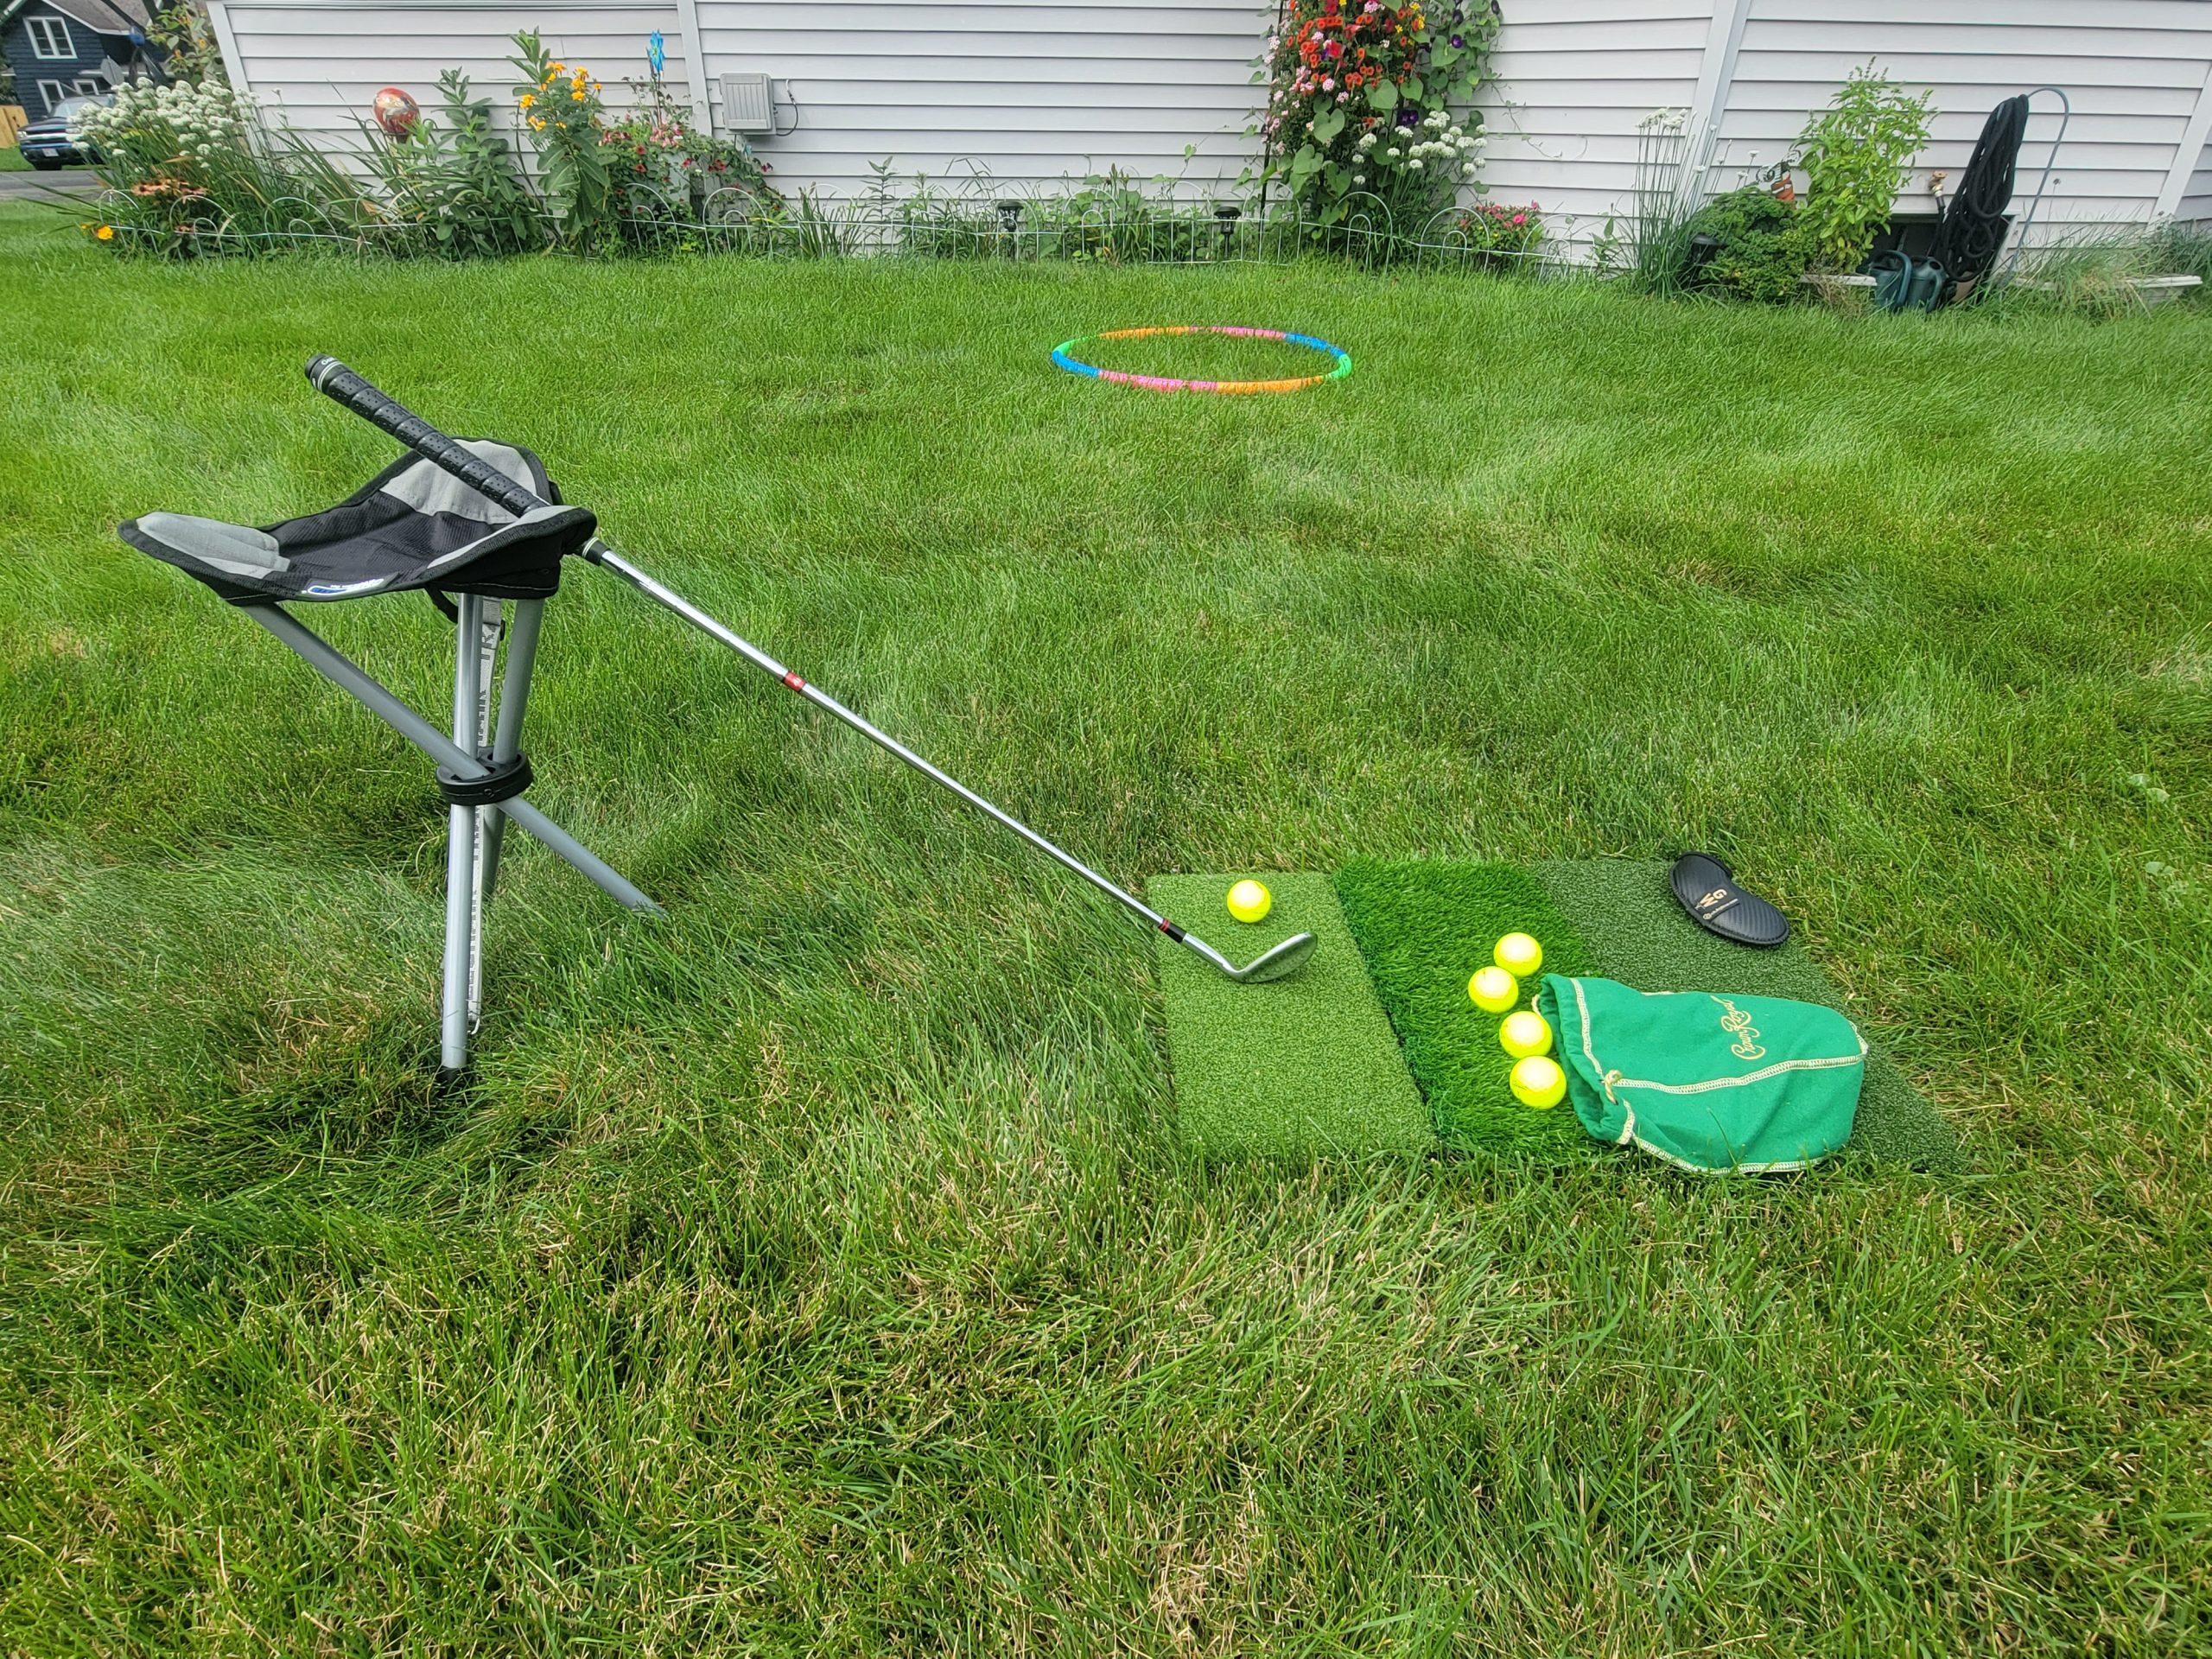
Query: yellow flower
527	99
559	68
537	124
575	97
105	233
596	87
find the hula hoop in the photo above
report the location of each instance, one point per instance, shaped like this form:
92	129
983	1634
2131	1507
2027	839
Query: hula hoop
1062	355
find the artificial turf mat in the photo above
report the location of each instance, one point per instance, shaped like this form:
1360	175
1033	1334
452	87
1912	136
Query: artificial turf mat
1306	1065
1424	927
1640	937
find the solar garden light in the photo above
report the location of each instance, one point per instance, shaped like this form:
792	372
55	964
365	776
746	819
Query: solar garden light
1010	222
1225	215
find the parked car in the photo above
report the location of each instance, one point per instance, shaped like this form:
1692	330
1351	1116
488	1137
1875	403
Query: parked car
56	141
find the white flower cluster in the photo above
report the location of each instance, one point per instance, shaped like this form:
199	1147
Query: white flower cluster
1438	142
205	118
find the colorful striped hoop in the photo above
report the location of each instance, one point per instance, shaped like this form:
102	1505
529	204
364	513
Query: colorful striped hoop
1063	354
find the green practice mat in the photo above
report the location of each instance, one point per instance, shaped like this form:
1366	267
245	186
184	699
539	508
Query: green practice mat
1643	938
1306	1064
1424	927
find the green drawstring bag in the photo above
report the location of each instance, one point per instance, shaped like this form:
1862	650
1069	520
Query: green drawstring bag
1729	1084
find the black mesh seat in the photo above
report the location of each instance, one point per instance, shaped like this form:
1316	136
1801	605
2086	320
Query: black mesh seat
418	525
413	525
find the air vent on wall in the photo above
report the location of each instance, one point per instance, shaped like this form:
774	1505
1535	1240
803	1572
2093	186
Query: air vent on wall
748	105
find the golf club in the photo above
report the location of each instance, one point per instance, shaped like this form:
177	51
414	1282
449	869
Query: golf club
335	380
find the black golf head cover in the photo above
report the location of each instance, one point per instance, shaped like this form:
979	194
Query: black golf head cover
1706	889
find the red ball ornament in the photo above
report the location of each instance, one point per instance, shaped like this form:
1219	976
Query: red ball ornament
395	112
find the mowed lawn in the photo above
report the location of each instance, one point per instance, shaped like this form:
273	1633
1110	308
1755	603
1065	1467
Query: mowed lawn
817	1270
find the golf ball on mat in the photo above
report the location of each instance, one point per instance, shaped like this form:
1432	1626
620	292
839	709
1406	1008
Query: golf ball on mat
1519	955
1525	1033
1538	1082
1493	990
1248	901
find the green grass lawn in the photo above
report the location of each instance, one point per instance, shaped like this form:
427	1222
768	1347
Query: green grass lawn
12	160
819	1270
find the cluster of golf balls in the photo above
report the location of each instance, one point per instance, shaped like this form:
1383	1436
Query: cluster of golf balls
1524	1034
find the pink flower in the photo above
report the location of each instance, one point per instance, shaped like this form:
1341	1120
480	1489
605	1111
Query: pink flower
1329	84
1520	218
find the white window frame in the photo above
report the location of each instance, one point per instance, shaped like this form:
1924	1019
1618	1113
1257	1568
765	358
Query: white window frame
89	86
53	92
44	31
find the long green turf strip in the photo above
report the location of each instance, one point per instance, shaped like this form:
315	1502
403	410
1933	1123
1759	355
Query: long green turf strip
1643	938
1424	926
1306	1065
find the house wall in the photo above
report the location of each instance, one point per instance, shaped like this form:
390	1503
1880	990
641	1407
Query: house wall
2134	70
1571	82
320	62
1030	94
1021	92
90	51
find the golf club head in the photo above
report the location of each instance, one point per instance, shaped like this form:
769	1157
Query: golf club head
1284	960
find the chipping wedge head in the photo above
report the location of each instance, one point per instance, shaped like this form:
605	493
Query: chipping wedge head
1280	962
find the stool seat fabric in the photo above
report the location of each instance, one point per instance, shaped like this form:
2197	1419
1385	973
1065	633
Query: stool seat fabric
413	525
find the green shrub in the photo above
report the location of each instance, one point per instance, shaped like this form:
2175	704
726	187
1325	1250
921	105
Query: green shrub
1763	246
1856	155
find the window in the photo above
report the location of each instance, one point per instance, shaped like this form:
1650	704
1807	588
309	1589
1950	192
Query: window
53	92
88	87
50	39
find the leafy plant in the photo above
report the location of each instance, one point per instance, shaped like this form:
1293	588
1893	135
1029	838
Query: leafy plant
1501	236
567	123
458	186
187	40
670	176
1856	155
1761	246
1360	99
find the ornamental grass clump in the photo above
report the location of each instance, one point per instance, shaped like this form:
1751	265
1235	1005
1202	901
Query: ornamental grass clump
185	170
1360	103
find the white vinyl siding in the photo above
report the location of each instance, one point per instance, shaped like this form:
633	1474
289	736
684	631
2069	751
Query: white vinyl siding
2133	68
1022	93
1025	94
1571	82
318	63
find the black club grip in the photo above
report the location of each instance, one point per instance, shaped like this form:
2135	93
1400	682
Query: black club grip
335	381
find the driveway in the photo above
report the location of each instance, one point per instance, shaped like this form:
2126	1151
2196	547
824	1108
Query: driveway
39	187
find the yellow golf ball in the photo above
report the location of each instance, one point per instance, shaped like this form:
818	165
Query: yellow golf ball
1493	990
1248	901
1525	1033
1539	1083
1519	955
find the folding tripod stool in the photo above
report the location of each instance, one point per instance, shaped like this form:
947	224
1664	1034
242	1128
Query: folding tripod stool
473	523
416	526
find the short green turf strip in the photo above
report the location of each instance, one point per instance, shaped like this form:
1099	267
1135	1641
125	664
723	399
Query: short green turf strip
1424	927
1306	1065
1642	938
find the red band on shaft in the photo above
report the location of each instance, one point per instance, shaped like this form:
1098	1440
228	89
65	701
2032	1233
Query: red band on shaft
794	681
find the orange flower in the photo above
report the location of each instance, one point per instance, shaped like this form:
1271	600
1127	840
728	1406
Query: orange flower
105	233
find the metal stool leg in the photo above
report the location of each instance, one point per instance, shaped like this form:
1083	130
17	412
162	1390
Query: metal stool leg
460	840
514	700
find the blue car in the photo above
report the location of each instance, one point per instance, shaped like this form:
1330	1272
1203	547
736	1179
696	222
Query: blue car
56	141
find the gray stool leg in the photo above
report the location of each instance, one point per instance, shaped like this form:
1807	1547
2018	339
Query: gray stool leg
460	841
489	627
514	700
